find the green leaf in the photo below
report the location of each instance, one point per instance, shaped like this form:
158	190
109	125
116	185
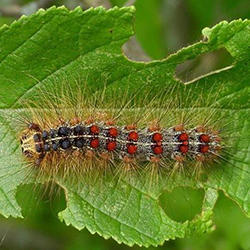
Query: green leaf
59	44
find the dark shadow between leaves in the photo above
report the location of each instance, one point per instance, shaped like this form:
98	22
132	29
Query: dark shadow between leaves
182	203
203	65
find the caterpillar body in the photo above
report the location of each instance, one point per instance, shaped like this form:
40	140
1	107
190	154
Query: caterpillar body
126	143
67	131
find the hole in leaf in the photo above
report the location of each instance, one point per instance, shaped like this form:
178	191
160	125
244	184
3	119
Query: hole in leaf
133	51
203	64
35	200
182	203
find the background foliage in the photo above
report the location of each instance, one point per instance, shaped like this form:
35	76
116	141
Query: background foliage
162	27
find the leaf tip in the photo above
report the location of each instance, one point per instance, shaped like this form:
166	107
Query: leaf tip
131	9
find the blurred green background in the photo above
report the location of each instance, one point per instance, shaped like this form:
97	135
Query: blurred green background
162	27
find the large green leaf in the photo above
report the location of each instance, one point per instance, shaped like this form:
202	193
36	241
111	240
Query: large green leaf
59	44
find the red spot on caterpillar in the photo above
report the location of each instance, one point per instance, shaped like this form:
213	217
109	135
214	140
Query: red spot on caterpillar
94	129
158	150
94	143
113	132
185	143
157	137
183	137
204	149
133	136
132	149
204	138
111	146
184	149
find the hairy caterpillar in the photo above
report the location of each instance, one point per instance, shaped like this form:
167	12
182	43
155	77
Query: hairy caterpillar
79	133
127	143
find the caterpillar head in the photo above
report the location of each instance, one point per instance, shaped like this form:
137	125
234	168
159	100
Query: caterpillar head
31	144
